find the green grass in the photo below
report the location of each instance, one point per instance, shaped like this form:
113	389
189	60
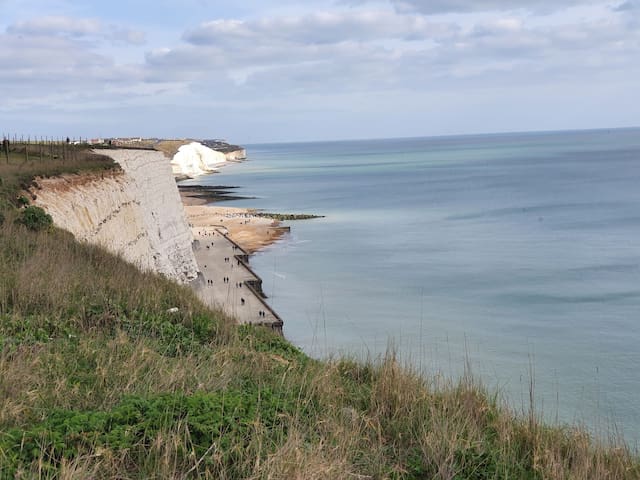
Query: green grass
98	379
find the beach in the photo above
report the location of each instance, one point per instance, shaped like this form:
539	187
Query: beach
249	231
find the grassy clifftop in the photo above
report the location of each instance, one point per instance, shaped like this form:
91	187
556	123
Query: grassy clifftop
101	377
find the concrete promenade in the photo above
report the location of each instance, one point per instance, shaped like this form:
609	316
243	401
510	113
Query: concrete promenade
227	280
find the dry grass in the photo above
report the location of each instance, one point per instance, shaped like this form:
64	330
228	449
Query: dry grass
385	422
21	168
170	147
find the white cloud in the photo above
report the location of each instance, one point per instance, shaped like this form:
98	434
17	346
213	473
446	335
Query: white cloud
316	28
56	25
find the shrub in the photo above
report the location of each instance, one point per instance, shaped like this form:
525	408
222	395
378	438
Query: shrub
35	218
222	421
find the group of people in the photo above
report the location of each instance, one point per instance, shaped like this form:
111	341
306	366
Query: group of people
225	279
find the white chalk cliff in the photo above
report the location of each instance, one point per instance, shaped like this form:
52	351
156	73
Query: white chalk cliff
196	159
136	213
235	155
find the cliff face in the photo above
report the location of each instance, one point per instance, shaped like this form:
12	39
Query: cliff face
240	154
136	213
194	159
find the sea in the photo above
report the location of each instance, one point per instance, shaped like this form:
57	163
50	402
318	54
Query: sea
512	257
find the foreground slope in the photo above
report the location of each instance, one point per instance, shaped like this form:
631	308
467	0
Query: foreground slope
108	372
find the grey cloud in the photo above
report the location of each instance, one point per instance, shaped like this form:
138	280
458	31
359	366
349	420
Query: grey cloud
365	52
349	53
630	5
433	7
52	69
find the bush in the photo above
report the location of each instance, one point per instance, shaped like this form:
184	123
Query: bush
35	218
1	218
226	420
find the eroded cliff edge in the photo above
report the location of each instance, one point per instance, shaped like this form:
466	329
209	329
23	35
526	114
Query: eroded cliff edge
136	212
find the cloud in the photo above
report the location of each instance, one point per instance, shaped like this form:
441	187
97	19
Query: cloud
302	48
61	61
319	59
433	7
315	28
629	5
76	28
56	25
359	50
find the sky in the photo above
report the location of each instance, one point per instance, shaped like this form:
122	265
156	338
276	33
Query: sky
271	71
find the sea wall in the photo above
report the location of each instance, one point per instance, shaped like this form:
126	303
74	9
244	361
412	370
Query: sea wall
136	213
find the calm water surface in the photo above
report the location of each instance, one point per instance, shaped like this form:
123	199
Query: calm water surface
520	252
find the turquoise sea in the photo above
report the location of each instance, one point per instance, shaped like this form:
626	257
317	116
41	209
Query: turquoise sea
518	254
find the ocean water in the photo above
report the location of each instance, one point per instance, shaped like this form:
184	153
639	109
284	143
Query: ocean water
517	254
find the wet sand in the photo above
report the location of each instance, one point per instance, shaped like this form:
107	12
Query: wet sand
250	232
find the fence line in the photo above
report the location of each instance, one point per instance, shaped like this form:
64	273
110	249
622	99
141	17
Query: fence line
39	148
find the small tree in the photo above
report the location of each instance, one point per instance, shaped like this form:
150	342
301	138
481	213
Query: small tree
35	218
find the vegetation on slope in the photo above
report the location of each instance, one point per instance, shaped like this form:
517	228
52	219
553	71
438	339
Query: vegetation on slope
25	162
100	377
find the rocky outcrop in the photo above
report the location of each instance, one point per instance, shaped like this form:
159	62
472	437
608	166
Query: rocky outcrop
136	213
